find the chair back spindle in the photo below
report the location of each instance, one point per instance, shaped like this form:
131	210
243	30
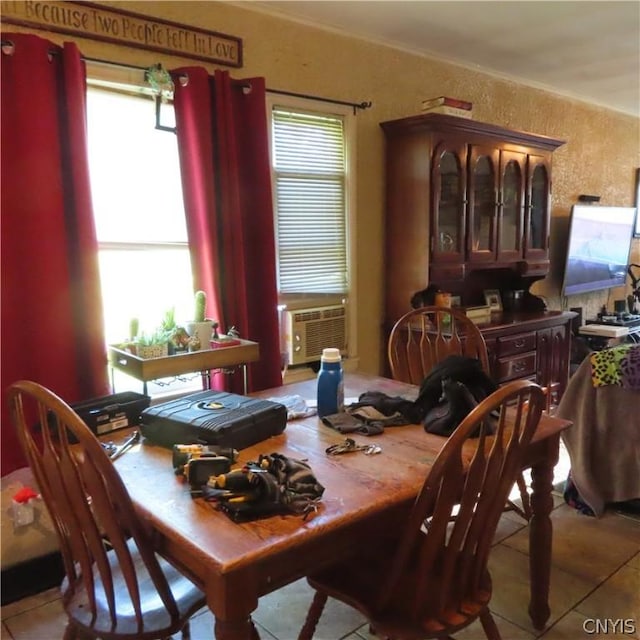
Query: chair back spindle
424	337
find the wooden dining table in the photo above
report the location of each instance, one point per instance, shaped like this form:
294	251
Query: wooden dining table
365	496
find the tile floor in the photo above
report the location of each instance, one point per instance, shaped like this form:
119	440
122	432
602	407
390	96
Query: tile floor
595	575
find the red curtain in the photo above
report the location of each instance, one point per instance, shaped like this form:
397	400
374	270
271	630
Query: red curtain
52	329
224	156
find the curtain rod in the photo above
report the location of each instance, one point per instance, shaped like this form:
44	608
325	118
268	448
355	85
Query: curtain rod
354	105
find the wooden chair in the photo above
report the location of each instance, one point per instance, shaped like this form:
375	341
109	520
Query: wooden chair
422	338
116	585
432	580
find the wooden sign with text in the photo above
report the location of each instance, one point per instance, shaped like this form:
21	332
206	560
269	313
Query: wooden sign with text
116	26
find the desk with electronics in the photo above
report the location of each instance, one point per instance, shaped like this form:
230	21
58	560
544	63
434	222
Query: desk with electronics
608	327
617	326
364	496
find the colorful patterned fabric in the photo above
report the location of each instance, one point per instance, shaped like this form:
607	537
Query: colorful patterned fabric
573	499
618	366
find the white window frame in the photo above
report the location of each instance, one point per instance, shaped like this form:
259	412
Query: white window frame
129	81
304	300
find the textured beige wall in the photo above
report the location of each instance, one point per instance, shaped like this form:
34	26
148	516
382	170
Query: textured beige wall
600	156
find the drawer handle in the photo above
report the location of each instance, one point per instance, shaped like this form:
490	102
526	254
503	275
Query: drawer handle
518	366
520	343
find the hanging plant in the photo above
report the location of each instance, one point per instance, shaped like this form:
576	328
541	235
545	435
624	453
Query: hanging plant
160	81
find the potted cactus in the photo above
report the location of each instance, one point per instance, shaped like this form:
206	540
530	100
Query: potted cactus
130	344
200	328
134	328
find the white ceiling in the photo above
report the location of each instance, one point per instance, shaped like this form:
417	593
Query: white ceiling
589	50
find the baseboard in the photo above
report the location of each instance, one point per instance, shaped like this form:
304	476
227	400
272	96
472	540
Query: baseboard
31	577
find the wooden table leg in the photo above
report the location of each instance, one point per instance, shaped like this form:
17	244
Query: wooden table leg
232	598
234	629
540	534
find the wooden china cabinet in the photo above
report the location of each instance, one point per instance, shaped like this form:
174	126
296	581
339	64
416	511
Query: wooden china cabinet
468	209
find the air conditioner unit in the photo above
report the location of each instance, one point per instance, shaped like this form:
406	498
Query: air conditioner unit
309	331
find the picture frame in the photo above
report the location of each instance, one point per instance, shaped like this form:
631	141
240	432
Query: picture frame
493	298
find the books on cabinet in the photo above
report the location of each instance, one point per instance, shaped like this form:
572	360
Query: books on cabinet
448	106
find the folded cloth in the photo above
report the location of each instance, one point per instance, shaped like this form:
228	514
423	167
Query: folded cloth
366	419
346	423
370	429
371	416
342	422
365	412
385	404
296	406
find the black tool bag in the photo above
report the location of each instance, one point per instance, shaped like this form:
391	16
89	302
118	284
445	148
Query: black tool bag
273	484
213	418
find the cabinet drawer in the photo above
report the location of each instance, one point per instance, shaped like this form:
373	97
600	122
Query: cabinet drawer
516	367
520	343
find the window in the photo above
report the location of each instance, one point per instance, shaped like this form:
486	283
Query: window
309	163
145	266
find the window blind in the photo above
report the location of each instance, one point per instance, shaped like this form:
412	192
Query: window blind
310	205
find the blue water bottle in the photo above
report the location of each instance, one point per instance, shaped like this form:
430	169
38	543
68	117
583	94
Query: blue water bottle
330	383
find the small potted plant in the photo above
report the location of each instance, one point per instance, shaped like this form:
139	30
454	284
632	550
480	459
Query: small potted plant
153	345
199	327
177	336
178	340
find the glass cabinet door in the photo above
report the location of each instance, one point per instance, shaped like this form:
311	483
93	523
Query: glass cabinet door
481	239
510	230
448	211
537	218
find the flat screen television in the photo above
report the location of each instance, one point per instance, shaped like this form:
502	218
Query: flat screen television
598	248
